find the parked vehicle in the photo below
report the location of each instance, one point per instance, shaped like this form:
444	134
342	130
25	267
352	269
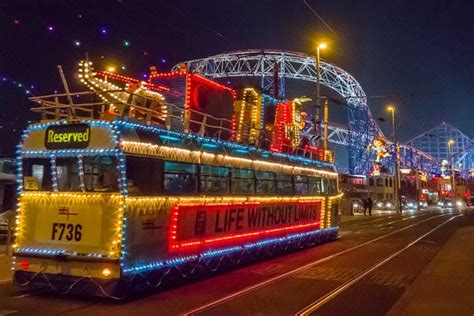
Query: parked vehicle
410	205
445	203
384	205
423	204
357	205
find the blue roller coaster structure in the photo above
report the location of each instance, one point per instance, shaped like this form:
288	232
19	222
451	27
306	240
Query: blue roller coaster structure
262	63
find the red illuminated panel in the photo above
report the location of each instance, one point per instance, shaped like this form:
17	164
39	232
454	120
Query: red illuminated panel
211	98
198	226
283	117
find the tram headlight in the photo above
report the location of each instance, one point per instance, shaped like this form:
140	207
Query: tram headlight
106	272
459	203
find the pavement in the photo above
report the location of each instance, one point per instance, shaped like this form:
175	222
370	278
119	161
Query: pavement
5	266
446	285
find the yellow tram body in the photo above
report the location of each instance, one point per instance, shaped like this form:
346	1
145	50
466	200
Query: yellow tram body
73	230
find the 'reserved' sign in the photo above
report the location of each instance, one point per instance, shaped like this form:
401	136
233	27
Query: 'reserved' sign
74	136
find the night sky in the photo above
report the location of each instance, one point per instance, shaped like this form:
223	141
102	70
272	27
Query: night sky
418	53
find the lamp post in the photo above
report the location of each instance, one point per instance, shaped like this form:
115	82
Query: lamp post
451	162
317	119
396	187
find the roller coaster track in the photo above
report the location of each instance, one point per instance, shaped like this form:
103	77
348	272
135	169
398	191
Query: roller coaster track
260	63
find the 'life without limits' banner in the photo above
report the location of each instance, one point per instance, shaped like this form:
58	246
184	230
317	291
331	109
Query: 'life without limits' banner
196	222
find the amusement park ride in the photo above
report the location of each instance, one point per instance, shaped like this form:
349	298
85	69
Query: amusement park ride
362	129
124	183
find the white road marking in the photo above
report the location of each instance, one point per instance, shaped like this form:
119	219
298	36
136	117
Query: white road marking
334	293
307	266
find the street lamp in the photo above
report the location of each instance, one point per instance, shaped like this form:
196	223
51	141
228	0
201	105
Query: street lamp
396	187
317	121
451	162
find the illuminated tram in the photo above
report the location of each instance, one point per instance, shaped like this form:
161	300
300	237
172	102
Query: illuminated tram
118	192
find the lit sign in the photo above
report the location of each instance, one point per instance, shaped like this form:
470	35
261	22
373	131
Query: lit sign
67	136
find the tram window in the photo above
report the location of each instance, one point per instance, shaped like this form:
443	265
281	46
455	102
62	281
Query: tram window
284	184
266	183
36	174
144	175
315	185
100	174
214	179
180	178
243	181
67	173
324	186
332	186
301	184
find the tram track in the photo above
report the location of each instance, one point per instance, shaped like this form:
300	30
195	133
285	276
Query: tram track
315	305
244	291
362	228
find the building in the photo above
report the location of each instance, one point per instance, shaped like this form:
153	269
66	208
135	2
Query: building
381	188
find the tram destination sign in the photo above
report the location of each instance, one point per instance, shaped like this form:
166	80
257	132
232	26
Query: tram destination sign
75	136
201	221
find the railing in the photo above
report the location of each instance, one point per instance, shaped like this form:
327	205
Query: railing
120	104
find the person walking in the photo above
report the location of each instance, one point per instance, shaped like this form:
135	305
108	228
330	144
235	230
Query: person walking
370	203
364	204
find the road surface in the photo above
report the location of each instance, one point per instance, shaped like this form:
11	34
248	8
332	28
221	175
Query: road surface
364	272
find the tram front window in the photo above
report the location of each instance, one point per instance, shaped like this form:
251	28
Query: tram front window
100	174
67	170
36	174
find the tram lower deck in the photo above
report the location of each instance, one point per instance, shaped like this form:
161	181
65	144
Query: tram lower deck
103	203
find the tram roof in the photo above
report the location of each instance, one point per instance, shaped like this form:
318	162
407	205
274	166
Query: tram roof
135	132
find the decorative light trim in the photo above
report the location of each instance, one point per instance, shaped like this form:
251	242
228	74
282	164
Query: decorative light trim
220	252
175	244
45	251
228	144
200	157
118	242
